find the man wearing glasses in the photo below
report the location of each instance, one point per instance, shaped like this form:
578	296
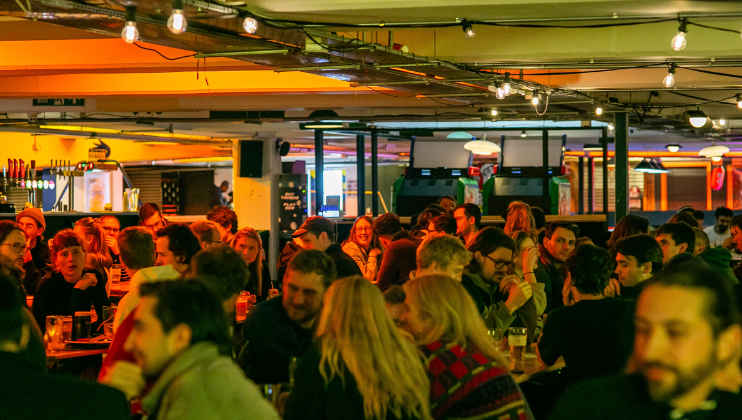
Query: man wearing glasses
37	260
151	218
501	297
111	229
12	250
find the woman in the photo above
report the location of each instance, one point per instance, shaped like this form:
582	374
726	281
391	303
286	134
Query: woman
420	230
98	255
71	286
446	324
519	217
360	366
247	243
629	225
364	247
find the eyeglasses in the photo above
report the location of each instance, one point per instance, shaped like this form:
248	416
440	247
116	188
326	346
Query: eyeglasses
17	247
109	229
499	264
363	229
155	226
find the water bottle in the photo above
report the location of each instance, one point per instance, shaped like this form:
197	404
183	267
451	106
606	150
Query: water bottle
242	304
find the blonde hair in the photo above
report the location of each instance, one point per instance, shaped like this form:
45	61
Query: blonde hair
375	243
357	335
442	249
98	257
451	314
519	217
252	233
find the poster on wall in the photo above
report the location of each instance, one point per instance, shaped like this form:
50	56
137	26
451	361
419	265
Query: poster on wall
292	201
97	191
565	199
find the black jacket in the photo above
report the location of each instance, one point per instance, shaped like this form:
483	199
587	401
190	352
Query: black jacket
55	296
344	263
29	393
39	266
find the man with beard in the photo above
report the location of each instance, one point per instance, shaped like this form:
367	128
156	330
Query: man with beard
638	258
719	233
501	297
277	330
37	260
12	250
559	241
687	327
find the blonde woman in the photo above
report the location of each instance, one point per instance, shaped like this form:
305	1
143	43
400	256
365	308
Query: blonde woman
364	247
248	244
519	217
446	324
98	254
360	366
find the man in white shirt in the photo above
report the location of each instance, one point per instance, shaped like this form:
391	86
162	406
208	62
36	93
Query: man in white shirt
720	232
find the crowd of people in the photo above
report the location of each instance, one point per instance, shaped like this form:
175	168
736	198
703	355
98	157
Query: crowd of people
388	324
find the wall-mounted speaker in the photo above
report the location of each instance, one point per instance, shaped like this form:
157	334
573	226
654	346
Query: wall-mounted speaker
251	159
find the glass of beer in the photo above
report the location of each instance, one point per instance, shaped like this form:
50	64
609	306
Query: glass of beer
54	330
82	324
497	336
517	338
67	327
115	274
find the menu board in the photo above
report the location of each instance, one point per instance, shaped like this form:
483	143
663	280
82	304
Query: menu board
292	201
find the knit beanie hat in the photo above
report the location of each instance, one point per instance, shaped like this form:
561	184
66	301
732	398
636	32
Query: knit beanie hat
33	213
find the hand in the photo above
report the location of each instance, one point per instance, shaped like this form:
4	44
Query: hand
567	297
126	377
27	256
518	296
87	280
374	252
113	244
613	289
729	243
530	259
508	282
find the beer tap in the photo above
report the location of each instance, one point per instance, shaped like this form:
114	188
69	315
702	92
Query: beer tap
5	180
15	173
22	174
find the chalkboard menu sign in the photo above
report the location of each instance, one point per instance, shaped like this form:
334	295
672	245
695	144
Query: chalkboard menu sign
292	201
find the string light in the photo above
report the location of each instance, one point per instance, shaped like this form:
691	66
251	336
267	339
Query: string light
506	85
669	80
722	122
716	158
679	41
177	23
536	98
610	127
468	29
130	33
523	133
493	112
674	148
598	111
250	25
739	100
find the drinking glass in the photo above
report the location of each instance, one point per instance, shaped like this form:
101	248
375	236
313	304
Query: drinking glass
107	317
496	335
82	324
67	327
54	330
517	338
115	274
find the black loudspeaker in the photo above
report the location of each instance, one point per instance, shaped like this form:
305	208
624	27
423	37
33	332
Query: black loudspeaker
251	159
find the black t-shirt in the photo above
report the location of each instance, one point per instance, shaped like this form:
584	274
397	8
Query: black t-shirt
625	397
56	296
595	337
344	263
272	340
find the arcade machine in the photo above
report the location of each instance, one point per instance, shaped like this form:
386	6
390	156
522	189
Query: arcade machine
520	177
437	168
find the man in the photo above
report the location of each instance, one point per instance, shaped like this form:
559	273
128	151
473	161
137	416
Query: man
718	259
318	233
180	341
175	245
540	218
687	326
37	260
735	242
111	229
559	241
699	218
678	241
217	196
444	224
150	217
138	260
207	233
278	329
31	393
719	233
226	221
501	298
467	216
223	271
448	202
400	250
595	333
442	255
638	258
12	251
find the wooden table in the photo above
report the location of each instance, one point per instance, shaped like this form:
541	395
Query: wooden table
72	353
119	290
532	366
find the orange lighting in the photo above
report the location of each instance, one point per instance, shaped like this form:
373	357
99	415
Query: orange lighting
709	203
663	191
730	187
416	73
469	84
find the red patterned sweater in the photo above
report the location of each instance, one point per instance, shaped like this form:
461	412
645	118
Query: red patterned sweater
470	386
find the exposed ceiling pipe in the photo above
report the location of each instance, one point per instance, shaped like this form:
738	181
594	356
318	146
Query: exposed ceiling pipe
94	135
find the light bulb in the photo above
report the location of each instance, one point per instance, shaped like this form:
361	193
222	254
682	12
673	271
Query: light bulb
46	184
698	122
523	133
722	122
716	158
598	111
493	112
469	32
51	184
739	101
250	25
610	127
177	23
669	80
679	42
535	101
130	34
500	93
506	88
33	184
673	148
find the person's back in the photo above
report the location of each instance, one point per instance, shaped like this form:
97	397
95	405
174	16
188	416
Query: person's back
593	336
399	261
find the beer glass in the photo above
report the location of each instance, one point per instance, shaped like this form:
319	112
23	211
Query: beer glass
54	330
517	338
82	325
67	327
115	274
497	336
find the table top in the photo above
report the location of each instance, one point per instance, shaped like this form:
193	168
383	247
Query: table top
532	366
120	289
72	353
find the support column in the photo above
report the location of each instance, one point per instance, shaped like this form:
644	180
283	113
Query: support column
604	143
256	199
319	171
581	186
361	170
590	185
375	172
545	162
622	164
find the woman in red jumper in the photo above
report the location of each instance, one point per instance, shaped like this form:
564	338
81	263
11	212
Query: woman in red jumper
468	376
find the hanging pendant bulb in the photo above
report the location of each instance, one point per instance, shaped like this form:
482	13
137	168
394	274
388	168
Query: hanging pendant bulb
468	29
250	25
679	42
536	98
177	22
130	34
598	111
506	84
739	100
500	93
669	80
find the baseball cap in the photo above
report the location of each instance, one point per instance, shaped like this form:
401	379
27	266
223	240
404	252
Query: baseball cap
316	224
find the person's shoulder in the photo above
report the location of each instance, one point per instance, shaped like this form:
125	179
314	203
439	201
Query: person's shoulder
710	229
93	392
269	312
729	405
47	282
600	396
